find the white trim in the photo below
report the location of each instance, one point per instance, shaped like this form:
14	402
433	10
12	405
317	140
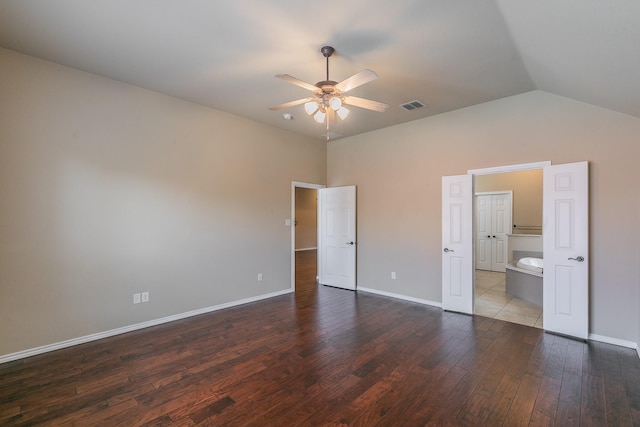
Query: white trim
295	184
400	296
614	341
306	249
509	168
123	330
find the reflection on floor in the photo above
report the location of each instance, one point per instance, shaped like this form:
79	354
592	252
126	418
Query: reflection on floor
493	301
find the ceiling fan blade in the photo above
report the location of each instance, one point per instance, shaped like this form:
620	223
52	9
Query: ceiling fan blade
366	103
291	104
297	82
358	79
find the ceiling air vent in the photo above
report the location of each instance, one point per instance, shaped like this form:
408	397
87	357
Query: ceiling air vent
413	105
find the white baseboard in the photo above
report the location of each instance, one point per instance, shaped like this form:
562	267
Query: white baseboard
123	330
615	341
400	296
306	249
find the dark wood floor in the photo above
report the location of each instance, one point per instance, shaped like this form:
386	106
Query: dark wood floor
326	356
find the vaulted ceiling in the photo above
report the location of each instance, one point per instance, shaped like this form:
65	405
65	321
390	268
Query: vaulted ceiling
448	54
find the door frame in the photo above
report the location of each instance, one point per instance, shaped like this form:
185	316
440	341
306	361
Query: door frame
493	170
291	223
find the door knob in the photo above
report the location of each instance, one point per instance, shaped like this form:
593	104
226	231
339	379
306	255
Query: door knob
488	237
448	250
579	259
350	243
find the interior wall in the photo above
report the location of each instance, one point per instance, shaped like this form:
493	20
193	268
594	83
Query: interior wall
306	218
399	231
108	190
527	196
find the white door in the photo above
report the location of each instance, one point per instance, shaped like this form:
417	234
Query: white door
483	232
337	237
493	224
457	243
565	226
500	228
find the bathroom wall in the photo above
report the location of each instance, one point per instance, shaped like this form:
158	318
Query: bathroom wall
398	171
524	243
527	196
108	190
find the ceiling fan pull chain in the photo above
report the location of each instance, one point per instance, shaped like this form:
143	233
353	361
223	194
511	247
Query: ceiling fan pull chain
328	116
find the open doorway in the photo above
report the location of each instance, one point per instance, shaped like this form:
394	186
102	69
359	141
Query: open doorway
565	245
304	235
505	233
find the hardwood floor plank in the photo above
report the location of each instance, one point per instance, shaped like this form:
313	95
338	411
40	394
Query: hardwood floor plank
326	356
215	408
496	412
521	408
555	363
569	404
546	405
593	412
540	355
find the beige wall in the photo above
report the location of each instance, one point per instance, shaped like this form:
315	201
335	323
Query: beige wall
398	231
107	189
306	218
527	196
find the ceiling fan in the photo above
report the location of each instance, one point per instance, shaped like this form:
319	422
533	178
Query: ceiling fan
330	97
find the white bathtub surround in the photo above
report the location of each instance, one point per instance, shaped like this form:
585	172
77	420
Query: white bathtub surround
531	264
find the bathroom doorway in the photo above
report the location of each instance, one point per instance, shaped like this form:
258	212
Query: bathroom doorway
565	245
522	191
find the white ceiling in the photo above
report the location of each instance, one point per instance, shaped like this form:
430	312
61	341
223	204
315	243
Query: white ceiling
448	54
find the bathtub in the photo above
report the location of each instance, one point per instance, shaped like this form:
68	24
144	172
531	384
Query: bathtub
531	264
524	279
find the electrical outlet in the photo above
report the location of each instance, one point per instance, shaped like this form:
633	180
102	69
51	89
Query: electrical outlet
136	298
145	297
393	275
259	277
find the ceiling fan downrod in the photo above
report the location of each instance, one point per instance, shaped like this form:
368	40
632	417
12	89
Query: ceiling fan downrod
327	51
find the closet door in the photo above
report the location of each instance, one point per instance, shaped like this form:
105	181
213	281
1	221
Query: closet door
483	233
493	224
500	228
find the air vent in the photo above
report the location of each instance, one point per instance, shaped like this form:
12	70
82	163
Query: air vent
413	105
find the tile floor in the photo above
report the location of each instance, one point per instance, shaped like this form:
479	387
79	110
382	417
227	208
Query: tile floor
493	301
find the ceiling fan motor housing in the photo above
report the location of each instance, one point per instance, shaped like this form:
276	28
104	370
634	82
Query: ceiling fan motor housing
327	86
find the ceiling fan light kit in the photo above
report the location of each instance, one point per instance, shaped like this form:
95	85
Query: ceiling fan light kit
329	96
